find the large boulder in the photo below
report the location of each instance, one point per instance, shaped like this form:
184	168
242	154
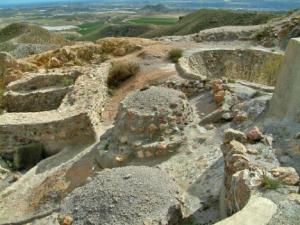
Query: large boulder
124	196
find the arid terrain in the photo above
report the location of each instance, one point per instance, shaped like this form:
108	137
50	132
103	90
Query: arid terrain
183	128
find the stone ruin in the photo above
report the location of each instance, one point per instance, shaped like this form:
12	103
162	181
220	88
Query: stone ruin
252	171
149	123
246	63
48	111
255	177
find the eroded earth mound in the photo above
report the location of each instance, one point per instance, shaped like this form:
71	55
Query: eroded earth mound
128	195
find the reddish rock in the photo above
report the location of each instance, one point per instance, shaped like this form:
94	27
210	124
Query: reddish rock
255	134
217	85
219	96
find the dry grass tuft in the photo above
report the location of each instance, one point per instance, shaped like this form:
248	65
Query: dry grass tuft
175	54
120	72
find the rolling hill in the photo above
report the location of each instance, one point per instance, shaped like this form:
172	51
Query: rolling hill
118	30
210	18
191	23
22	39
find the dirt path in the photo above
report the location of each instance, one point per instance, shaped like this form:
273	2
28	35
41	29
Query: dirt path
148	75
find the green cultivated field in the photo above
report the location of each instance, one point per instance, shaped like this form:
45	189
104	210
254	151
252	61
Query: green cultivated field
90	27
154	20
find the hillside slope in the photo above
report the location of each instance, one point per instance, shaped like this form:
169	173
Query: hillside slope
22	39
119	30
189	24
210	18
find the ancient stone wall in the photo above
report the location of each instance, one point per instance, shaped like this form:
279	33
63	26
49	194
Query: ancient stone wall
55	110
149	124
227	33
246	64
34	101
32	82
52	129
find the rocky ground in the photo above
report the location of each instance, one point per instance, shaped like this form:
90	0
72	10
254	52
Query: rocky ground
183	143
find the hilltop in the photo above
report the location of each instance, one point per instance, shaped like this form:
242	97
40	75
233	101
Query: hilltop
23	39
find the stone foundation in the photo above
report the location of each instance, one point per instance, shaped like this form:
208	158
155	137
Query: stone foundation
54	109
34	101
31	82
253	65
52	129
149	124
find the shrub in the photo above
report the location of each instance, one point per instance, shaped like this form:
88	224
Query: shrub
120	72
264	34
175	54
67	82
270	183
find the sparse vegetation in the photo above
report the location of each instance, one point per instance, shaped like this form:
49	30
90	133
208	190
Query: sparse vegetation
120	72
67	82
264	34
23	39
28	33
175	54
270	183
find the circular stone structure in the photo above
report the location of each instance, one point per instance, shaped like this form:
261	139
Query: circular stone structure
149	123
254	65
124	196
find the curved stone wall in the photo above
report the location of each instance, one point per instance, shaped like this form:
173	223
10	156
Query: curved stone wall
253	65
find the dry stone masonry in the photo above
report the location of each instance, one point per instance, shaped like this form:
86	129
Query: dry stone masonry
149	123
252	64
251	168
53	110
